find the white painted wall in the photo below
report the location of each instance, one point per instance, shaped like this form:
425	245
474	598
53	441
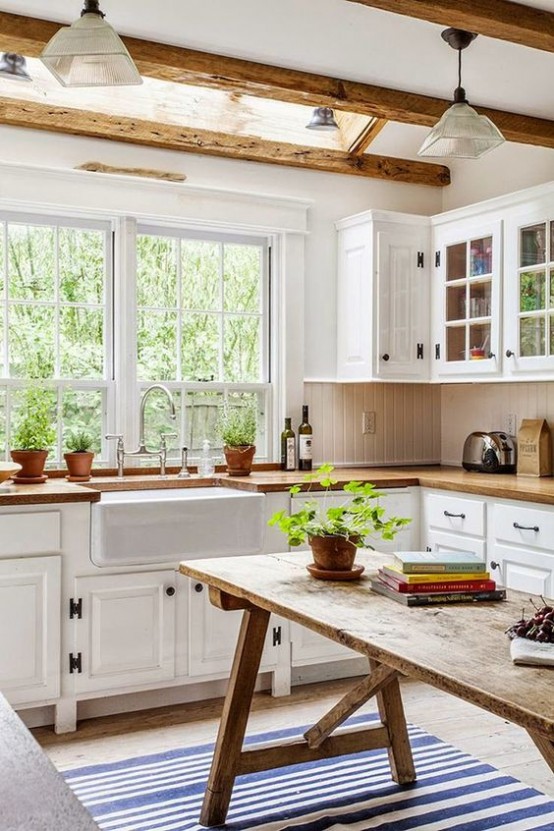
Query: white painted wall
509	168
333	197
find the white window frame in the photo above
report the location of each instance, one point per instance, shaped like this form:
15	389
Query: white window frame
58	384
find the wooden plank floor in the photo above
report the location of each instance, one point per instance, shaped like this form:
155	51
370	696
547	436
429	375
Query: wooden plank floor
486	736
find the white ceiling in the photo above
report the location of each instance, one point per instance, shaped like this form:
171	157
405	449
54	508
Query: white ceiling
338	38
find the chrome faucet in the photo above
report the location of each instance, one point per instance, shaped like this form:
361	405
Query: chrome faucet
141	450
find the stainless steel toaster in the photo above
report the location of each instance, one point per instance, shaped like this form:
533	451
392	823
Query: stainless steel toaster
493	452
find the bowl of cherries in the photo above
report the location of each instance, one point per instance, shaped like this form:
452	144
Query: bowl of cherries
539	627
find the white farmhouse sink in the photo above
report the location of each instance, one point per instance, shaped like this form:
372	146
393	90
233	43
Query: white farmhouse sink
168	525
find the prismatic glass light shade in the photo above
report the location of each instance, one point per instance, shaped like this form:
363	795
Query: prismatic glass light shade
461	133
323	118
90	53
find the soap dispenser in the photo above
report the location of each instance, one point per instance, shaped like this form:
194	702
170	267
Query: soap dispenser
206	465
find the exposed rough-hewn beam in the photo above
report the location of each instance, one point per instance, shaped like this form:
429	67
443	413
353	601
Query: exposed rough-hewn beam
500	19
151	133
27	36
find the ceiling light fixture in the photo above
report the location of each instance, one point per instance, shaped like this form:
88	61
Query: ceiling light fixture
323	118
14	66
461	133
90	53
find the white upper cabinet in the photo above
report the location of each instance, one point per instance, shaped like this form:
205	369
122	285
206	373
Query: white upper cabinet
529	293
467	298
383	297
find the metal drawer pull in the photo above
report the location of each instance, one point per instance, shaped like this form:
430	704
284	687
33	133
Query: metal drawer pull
461	516
534	528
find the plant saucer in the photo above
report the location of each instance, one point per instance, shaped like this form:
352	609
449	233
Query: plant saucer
353	573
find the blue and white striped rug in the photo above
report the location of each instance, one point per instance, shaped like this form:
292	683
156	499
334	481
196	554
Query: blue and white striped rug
453	792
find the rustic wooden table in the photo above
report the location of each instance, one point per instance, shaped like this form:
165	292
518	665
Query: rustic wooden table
462	649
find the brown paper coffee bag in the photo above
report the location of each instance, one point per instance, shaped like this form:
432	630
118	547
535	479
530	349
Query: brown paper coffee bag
534	448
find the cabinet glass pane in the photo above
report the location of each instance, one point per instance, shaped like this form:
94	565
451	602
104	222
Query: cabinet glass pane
531	291
551	298
480	256
480	299
531	336
456	302
479	340
456	343
456	261
552	241
533	245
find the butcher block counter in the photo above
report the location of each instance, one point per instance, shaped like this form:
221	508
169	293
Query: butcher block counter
499	486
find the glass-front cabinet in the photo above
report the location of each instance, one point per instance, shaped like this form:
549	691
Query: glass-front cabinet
467	299
529	300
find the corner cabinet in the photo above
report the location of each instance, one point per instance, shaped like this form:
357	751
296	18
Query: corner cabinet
383	297
467	298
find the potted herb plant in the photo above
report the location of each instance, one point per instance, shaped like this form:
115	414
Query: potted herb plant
237	428
80	456
34	436
334	533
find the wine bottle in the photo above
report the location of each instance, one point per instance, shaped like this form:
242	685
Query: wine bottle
288	447
305	441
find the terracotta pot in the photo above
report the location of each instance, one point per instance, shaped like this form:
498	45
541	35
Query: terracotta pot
32	466
79	465
239	459
333	553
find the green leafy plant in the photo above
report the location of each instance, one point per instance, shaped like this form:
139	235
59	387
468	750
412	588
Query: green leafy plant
79	441
359	517
34	430
237	426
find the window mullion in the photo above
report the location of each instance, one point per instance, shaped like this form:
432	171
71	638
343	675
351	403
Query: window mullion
57	313
222	313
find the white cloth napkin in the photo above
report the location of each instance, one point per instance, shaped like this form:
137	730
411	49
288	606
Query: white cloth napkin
524	651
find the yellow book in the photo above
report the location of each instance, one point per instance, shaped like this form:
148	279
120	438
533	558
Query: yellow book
434	577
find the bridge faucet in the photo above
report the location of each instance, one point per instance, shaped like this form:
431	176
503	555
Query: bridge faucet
162	388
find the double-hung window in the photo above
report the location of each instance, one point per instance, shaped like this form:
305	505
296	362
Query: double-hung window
55	323
202	329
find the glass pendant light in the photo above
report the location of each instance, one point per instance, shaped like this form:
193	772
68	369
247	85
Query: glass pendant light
14	66
323	118
461	133
90	53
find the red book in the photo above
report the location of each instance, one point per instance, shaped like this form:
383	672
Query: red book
421	588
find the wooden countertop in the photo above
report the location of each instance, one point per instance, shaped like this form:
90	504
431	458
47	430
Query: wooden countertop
498	486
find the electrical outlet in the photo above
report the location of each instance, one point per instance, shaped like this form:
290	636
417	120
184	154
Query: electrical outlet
510	423
368	422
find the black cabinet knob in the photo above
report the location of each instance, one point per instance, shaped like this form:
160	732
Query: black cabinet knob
509	353
170	591
198	587
494	564
386	356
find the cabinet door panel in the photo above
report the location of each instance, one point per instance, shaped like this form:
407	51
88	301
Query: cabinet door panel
354	303
214	635
30	629
443	541
126	636
30	533
523	569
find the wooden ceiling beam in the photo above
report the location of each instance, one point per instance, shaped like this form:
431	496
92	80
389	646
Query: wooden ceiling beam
19	113
501	19
28	36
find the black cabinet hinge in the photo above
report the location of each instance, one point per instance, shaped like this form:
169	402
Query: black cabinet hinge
419	352
420	259
437	352
75	608
75	663
437	259
276	636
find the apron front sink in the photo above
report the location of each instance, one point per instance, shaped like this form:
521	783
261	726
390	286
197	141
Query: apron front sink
172	524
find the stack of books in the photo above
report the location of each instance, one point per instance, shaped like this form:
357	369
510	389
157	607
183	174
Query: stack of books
422	578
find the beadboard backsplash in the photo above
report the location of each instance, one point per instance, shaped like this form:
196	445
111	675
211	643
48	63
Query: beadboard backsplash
407	423
469	407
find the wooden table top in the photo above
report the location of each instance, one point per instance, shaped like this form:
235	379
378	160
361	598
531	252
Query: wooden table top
459	648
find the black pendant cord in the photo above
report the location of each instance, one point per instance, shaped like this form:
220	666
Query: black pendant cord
459	92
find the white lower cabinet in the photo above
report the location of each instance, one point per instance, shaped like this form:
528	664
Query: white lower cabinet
30	629
520	547
124	628
214	634
453	522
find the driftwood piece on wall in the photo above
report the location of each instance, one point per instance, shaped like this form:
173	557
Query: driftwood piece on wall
165	175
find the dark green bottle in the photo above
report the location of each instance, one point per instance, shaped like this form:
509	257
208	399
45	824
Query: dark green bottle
288	447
